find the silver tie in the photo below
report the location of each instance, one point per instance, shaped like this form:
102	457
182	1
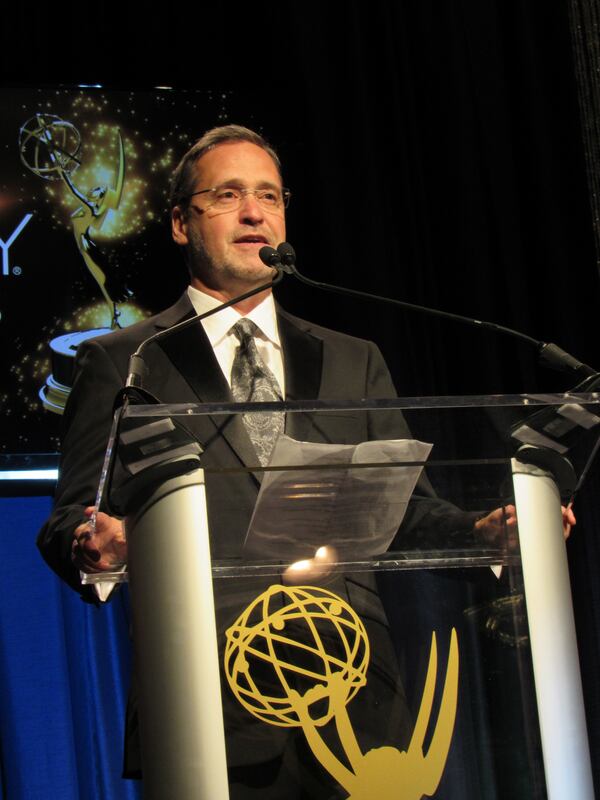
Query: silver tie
253	382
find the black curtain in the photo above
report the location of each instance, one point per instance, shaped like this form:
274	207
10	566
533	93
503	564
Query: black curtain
435	154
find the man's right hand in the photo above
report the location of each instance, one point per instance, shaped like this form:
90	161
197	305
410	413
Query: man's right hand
100	547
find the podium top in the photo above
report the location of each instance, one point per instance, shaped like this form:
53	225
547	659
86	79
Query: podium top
316	496
524	401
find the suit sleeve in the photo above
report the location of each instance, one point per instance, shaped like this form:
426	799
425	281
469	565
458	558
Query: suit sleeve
85	432
429	522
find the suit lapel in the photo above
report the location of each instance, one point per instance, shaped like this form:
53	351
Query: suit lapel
303	364
190	352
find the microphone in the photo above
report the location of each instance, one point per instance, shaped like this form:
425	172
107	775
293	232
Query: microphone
270	257
276	259
288	256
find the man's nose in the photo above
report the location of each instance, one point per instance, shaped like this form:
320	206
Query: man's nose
250	209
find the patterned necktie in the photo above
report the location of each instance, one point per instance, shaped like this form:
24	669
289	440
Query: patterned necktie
253	382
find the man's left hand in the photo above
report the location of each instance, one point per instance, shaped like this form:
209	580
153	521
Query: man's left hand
502	523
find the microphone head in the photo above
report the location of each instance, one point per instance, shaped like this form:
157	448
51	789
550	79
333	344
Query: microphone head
287	254
270	257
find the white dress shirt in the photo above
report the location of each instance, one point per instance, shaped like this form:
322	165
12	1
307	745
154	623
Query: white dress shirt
224	343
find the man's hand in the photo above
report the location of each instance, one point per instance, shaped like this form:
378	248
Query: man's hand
501	524
569	520
498	527
99	548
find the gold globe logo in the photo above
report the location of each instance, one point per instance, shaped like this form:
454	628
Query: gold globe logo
281	645
297	656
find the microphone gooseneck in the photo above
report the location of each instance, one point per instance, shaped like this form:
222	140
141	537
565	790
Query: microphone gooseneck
137	367
549	354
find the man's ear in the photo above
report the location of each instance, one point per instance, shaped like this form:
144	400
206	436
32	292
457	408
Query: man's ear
179	226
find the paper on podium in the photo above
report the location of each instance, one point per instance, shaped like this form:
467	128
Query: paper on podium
357	511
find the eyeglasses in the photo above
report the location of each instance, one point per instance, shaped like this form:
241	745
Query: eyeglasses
228	198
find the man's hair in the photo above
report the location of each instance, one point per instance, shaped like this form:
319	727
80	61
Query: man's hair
184	178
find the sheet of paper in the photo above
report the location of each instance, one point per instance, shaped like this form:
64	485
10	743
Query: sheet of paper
355	510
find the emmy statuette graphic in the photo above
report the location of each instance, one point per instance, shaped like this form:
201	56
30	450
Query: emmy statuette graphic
50	147
297	656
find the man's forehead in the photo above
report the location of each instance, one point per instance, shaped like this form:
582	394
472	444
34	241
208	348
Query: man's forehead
237	162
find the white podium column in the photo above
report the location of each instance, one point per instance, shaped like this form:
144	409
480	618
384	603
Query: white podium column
552	634
175	642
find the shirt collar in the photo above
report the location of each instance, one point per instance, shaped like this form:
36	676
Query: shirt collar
218	326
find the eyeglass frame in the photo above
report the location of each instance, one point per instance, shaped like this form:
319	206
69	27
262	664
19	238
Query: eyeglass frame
286	196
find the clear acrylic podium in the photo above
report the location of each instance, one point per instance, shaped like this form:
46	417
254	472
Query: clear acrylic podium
442	663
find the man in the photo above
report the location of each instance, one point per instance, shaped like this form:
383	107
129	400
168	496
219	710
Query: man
228	201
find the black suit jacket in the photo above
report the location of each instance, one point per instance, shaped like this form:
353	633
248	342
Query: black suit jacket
319	363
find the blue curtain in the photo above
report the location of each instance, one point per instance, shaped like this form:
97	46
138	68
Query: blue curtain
64	675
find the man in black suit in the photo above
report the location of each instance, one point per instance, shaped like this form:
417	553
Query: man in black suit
227	202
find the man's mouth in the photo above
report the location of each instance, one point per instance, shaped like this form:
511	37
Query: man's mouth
251	239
